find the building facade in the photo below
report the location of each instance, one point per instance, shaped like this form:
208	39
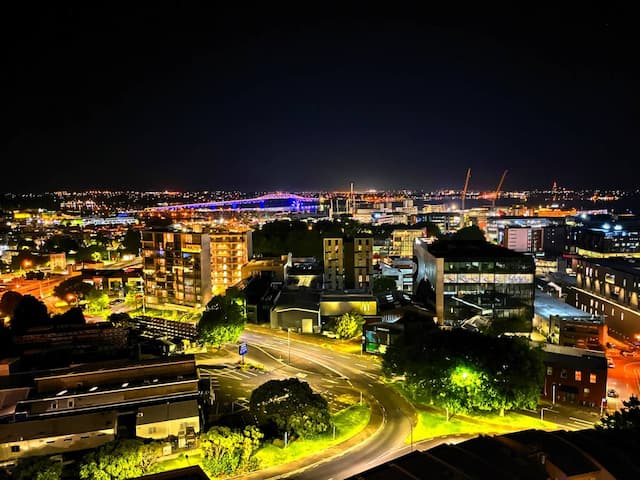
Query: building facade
610	287
402	242
603	236
562	324
176	268
348	262
461	279
230	250
574	375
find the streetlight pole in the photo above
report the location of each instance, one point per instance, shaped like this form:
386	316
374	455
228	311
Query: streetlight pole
410	427
289	343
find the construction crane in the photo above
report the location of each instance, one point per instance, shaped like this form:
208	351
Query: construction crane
495	197
466	186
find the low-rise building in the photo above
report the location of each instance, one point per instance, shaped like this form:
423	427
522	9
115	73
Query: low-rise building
574	375
563	324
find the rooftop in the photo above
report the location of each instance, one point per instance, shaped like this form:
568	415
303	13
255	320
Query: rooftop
627	265
465	249
547	306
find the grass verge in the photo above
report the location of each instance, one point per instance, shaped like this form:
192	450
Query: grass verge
432	424
348	422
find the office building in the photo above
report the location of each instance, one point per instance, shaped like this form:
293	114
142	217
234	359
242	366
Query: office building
563	324
402	241
177	268
348	262
603	236
230	250
462	279
528	234
610	287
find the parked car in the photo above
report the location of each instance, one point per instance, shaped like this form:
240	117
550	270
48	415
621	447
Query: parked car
611	393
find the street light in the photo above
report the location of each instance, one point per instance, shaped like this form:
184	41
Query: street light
410	427
289	343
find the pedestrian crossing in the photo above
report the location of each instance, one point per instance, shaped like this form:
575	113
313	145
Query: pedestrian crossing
231	371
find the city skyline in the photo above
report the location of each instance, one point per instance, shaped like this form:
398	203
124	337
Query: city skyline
276	100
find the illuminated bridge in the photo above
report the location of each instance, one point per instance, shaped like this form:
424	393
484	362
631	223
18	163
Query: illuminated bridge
273	202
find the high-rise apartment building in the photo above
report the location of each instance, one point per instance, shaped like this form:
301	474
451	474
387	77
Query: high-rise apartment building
230	250
348	262
177	268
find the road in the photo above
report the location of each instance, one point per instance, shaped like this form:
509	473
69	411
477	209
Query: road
624	377
338	376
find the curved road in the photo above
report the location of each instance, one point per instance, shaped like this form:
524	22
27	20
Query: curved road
328	371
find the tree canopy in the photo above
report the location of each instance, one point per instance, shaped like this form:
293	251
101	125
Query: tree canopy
120	460
383	284
228	452
627	418
132	242
72	286
30	312
465	371
469	233
37	468
290	406
223	321
9	302
349	325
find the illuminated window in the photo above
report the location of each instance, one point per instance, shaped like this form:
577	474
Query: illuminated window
549	370
593	378
587	391
578	376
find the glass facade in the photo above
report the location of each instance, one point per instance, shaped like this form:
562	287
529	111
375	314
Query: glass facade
501	288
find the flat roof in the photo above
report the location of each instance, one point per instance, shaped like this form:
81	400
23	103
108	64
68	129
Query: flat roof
547	306
168	411
57	426
560	452
470	249
627	265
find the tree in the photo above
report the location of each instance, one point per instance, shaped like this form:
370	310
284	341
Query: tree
383	284
132	242
627	418
464	371
98	300
30	312
223	321
9	302
348	325
37	468
120	460
472	233
72	287
229	452
61	243
290	406
73	316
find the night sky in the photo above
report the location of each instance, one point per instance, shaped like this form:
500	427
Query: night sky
168	98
